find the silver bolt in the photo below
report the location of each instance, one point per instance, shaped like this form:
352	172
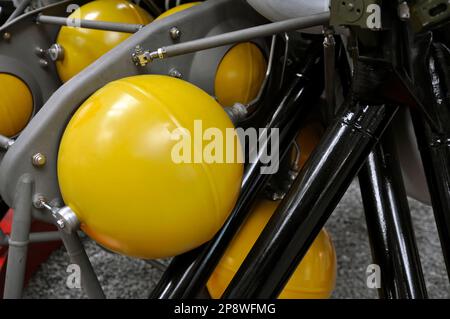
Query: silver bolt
175	33
60	223
277	196
175	74
43	63
39	51
39	201
39	160
404	12
6	36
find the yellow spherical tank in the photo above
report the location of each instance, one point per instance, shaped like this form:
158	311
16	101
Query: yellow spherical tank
177	9
314	278
307	140
133	165
240	74
16	105
83	46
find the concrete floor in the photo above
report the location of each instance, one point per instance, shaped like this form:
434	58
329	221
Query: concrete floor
122	277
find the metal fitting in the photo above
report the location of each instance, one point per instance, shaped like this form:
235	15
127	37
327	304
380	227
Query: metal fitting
175	33
39	160
404	13
39	202
67	220
142	58
39	52
6	36
237	112
43	63
175	74
55	52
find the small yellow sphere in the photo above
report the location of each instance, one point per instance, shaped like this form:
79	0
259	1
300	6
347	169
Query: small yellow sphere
177	9
314	278
118	173
83	46
240	74
16	105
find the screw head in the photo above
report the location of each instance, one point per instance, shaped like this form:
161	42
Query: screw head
175	33
60	223
6	36
39	160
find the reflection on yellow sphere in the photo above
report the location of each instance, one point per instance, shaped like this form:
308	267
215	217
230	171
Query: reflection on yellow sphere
177	9
307	140
16	105
240	74
84	46
313	279
118	173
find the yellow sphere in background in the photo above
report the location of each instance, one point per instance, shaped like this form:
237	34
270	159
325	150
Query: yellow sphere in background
314	278
240	74
16	105
307	140
177	9
83	46
118	171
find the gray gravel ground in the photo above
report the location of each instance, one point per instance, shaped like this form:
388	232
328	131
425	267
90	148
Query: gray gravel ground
122	277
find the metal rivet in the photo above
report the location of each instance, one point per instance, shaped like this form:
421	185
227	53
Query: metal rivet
39	160
6	36
175	33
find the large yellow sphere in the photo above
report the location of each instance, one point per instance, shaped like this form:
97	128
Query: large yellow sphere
177	9
84	46
118	173
240	74
314	278
16	105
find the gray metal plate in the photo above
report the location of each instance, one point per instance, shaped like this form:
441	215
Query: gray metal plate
45	131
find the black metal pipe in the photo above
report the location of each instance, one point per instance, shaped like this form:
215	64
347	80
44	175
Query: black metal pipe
389	225
186	279
435	146
304	211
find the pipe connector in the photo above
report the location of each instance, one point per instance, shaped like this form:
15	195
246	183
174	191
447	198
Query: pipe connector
142	58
